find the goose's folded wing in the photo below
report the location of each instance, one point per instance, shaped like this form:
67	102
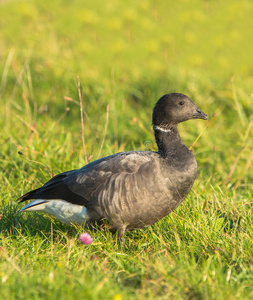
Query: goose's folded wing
97	180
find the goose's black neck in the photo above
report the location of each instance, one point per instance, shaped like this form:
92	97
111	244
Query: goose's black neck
168	140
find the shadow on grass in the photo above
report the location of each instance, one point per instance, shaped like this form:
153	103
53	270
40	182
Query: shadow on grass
32	224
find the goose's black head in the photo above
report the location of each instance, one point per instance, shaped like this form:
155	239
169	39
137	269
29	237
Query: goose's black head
174	108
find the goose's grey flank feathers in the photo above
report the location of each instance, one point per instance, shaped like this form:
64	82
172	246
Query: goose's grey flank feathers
131	189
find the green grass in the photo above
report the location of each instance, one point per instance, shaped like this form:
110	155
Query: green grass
126	57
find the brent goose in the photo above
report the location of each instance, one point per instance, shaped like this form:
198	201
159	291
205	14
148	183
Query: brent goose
131	190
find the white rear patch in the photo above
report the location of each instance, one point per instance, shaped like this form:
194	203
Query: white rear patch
64	211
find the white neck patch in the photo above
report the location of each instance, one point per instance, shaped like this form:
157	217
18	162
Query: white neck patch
162	129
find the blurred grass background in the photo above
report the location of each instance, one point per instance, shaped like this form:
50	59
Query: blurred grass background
127	55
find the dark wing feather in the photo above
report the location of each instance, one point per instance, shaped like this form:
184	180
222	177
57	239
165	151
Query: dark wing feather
55	188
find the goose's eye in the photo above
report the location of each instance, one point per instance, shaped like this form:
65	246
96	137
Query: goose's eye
181	103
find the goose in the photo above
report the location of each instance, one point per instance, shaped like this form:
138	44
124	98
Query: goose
129	190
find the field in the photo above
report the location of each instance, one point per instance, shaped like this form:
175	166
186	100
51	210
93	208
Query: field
125	58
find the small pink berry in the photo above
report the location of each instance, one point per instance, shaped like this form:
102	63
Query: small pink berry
85	238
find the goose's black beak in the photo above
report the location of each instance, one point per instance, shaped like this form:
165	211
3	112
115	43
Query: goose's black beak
199	114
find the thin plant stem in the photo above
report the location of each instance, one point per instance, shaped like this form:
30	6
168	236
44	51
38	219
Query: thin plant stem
82	121
106	126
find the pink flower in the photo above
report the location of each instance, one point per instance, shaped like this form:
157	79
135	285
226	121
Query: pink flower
85	238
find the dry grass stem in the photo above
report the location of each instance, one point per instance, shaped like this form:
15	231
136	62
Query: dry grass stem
82	120
106	127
